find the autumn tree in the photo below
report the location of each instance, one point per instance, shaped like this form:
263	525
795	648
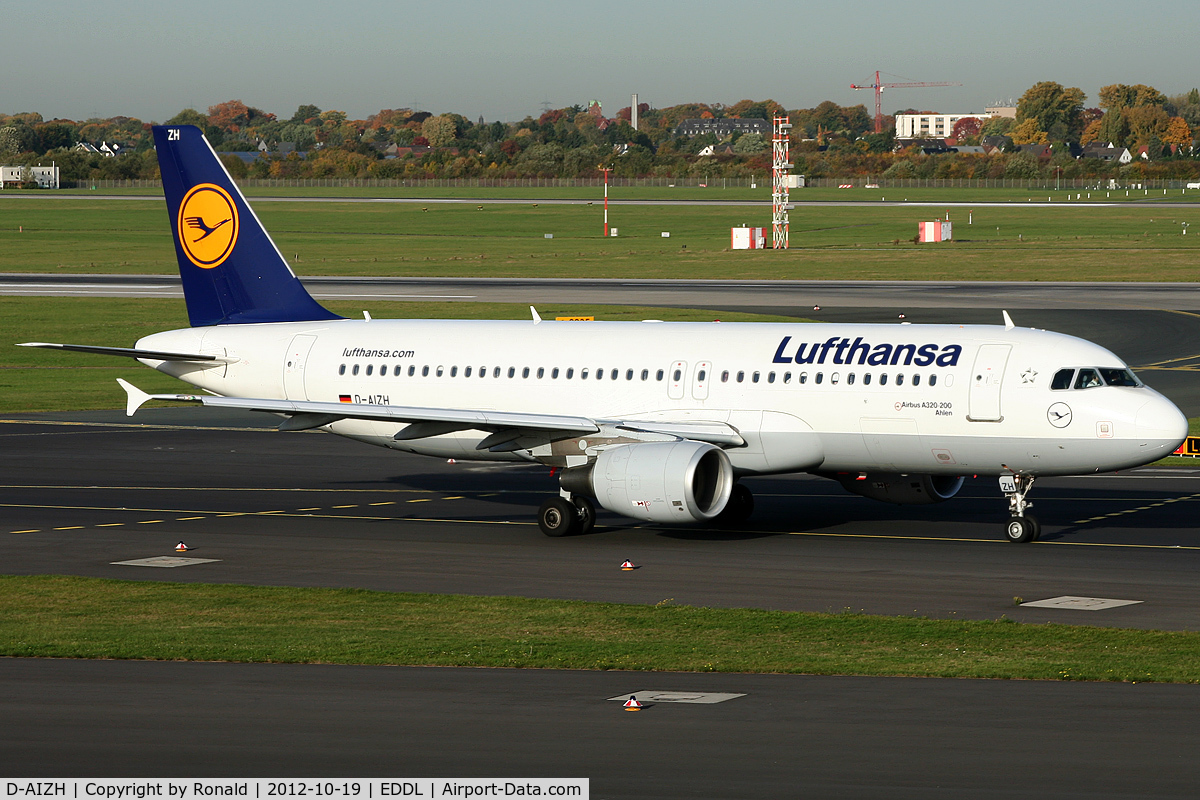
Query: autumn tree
440	131
1027	132
966	128
1178	133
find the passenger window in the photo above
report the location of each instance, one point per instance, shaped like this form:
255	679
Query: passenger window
600	374
820	377
850	379
725	376
454	372
883	379
867	379
645	374
900	379
628	374
741	376
1062	379
396	370
916	380
570	373
658	375
834	378
354	370
495	372
583	373
512	372
770	377
412	370
424	371
703	374
342	369
382	370
1087	379
440	369
755	379
933	380
467	372
554	373
613	375
803	377
370	367
787	377
525	372
677	375
541	372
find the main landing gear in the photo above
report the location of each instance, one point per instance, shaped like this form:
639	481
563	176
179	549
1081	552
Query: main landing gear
559	516
739	508
1021	527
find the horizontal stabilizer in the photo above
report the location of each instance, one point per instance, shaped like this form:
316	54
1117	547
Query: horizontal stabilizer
129	352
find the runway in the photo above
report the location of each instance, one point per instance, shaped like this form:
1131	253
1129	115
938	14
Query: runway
83	490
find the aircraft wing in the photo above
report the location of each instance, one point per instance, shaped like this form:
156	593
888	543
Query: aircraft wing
131	352
507	428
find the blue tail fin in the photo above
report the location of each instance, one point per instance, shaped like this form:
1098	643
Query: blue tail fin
232	272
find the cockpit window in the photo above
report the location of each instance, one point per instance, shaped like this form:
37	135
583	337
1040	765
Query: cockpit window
1119	377
1062	379
1087	379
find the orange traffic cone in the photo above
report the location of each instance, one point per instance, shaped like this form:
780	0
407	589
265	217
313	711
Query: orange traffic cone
632	704
181	548
627	565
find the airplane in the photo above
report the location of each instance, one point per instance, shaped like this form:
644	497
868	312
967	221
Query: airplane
655	421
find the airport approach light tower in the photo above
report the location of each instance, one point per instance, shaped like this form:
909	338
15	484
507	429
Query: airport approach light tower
779	182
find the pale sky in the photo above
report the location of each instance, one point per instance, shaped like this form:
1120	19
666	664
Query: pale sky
506	60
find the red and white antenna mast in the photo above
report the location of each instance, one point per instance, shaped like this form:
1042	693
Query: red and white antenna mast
779	182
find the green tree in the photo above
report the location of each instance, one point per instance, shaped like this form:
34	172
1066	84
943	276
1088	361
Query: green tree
1053	108
305	113
749	144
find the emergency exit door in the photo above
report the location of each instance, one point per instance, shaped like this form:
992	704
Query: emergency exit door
293	367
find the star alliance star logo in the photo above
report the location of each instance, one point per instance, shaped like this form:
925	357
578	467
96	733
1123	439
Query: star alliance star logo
1028	375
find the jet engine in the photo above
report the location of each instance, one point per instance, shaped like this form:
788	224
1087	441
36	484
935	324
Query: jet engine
891	487
682	481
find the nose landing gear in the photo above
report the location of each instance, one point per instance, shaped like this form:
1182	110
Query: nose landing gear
1021	527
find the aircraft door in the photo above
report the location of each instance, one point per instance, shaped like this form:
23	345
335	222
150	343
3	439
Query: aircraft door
293	366
675	380
983	402
700	380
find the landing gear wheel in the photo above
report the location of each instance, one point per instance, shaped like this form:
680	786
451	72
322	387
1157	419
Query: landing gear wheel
558	517
739	508
1037	527
586	519
1021	529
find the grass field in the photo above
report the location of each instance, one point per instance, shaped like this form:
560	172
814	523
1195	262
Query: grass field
74	617
1004	243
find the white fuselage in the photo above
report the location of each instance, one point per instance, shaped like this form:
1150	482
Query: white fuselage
936	399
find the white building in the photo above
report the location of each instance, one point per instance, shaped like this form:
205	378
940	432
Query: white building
930	126
14	177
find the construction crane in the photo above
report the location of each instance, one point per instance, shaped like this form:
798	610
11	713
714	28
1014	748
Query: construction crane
879	87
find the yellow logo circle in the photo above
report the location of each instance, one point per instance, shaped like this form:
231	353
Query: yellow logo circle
208	225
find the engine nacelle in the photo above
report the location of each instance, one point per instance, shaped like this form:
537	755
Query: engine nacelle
675	482
891	487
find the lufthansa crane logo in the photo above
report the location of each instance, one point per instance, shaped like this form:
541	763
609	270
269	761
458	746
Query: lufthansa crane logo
207	225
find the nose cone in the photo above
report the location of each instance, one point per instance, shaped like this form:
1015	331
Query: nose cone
1161	427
